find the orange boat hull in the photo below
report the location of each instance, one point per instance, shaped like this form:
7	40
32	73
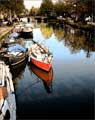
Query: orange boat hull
43	75
41	65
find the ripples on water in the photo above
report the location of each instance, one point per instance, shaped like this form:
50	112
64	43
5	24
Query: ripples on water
70	92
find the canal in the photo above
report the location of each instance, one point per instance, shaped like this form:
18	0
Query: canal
70	92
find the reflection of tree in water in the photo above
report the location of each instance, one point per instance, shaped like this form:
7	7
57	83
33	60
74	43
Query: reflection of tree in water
89	43
46	31
74	40
77	40
59	34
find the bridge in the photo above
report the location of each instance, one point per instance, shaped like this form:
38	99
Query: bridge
40	18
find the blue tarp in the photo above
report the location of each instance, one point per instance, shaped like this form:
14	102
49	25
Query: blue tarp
16	48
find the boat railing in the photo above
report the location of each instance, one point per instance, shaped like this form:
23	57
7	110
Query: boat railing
45	51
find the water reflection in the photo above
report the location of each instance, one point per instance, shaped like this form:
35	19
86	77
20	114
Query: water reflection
59	34
18	72
46	31
46	77
73	78
76	39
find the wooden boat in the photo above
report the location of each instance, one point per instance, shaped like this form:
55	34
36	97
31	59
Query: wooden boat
46	77
13	57
26	32
40	64
40	56
7	96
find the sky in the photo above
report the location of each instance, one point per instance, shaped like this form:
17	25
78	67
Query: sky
32	3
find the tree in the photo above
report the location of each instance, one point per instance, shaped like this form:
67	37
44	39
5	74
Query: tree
85	8
19	6
81	8
46	7
62	9
33	11
59	8
16	6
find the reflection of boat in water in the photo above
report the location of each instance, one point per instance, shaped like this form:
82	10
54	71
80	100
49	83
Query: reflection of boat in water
18	73
7	96
18	70
46	77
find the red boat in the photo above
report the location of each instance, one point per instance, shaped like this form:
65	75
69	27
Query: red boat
40	57
40	64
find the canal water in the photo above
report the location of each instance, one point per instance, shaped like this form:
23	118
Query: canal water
70	92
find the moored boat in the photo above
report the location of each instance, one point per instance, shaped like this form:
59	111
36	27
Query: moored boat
26	31
26	34
13	55
7	96
40	56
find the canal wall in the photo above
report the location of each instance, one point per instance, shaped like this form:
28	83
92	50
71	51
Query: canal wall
4	31
86	27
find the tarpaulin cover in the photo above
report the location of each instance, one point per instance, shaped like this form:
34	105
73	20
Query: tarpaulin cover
16	48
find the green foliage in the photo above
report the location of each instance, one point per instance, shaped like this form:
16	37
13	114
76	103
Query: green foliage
62	9
33	11
16	6
59	8
19	7
46	7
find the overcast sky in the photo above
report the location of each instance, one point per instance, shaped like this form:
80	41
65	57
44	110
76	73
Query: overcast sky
34	3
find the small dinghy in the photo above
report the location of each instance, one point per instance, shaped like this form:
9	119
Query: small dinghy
40	56
14	54
26	33
24	30
7	96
